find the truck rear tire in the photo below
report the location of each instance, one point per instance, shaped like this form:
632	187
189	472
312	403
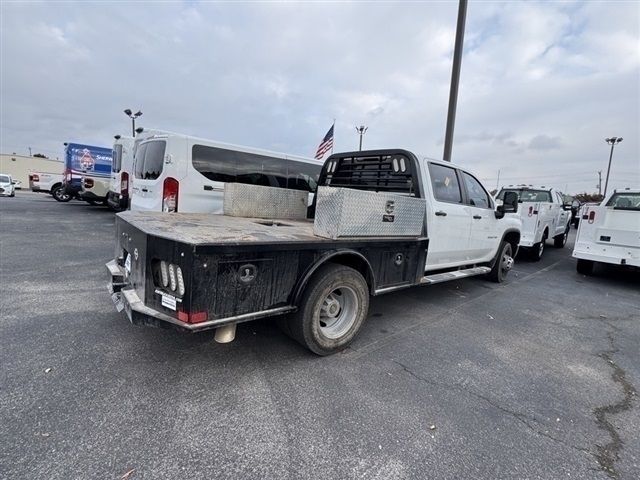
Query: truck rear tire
585	267
561	240
502	264
333	307
538	249
60	195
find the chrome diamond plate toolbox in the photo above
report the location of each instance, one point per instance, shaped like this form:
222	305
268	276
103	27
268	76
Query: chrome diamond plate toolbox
257	201
346	212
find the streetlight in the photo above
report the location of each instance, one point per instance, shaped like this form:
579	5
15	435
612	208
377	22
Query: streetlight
613	141
361	131
133	117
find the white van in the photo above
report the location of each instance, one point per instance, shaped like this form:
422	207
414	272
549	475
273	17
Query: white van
179	173
121	173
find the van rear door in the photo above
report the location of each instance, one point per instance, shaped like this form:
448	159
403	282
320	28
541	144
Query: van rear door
149	174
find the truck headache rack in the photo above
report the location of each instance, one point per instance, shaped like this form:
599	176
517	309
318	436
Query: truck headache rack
378	171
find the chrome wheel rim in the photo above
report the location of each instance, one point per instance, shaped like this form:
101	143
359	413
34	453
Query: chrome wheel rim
338	311
507	260
541	248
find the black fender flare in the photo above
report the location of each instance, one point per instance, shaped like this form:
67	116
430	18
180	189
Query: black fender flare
328	256
504	235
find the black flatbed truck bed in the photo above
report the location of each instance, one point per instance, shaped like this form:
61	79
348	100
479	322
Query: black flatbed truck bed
238	269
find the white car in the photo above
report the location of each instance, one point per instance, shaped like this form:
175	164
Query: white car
6	186
609	232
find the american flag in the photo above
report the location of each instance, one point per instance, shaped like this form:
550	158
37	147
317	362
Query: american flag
325	145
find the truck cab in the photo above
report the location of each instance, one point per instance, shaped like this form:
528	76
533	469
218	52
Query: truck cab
609	232
544	216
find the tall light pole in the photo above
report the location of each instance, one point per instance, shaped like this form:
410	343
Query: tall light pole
455	80
599	182
361	131
613	141
133	117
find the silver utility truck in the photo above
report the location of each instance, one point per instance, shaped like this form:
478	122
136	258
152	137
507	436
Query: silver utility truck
381	221
544	216
609	232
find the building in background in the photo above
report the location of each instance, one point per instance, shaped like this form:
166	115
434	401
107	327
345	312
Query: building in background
19	166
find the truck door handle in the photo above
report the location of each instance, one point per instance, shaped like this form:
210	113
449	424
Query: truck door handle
440	213
145	190
477	217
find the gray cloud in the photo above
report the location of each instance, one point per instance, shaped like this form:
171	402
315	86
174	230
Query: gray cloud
275	75
545	142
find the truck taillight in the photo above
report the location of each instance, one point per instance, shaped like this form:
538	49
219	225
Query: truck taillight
34	178
124	183
197	317
88	183
170	195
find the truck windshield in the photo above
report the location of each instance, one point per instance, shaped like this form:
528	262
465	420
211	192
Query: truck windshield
527	194
624	201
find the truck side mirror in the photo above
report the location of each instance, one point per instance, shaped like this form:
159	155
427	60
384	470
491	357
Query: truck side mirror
566	207
509	204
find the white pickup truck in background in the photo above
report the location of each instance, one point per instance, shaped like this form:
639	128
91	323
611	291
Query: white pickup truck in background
610	232
544	215
46	182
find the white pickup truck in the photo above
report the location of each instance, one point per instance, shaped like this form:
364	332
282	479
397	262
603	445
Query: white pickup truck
382	220
46	182
609	232
544	216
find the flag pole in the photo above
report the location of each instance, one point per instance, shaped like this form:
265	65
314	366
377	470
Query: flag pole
334	135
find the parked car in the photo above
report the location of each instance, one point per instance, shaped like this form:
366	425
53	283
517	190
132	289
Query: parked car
544	216
384	220
17	184
610	232
6	186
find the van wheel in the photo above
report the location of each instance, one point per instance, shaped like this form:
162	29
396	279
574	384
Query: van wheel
538	249
585	267
502	264
561	240
332	310
60	195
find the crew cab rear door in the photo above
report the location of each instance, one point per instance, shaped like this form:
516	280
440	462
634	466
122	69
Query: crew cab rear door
483	238
448	219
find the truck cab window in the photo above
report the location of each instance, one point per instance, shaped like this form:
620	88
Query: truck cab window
478	197
444	181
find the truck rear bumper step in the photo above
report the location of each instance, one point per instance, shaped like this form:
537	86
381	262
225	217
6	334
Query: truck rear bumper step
445	277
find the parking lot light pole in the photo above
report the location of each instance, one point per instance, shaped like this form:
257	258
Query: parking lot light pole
133	117
613	141
361	131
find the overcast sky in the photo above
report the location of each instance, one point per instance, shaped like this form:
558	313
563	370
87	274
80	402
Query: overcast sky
542	83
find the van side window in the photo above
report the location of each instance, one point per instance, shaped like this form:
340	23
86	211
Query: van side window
216	164
478	196
222	165
117	158
445	183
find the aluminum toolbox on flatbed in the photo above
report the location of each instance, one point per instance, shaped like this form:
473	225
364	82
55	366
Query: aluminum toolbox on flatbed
346	212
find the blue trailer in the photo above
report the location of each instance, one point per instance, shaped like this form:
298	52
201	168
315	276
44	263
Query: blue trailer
85	168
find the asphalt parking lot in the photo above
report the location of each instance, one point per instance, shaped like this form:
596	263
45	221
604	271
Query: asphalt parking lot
535	378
